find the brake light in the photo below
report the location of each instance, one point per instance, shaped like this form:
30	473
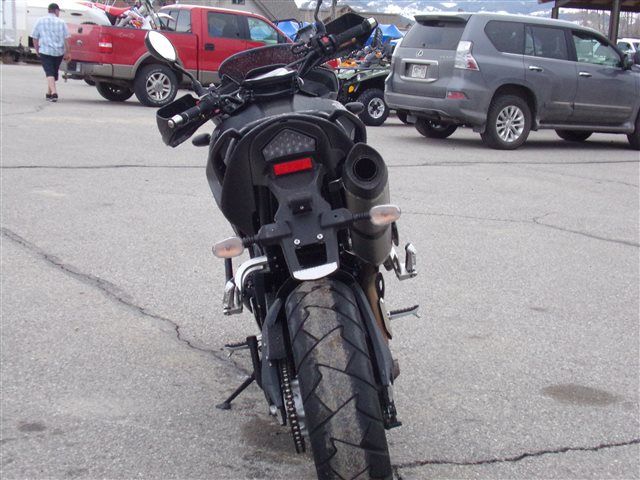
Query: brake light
293	166
464	58
105	44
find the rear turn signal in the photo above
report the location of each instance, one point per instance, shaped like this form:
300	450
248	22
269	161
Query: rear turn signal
229	248
381	215
464	58
105	44
293	166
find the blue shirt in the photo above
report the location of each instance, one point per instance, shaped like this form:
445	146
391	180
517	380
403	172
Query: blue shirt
51	32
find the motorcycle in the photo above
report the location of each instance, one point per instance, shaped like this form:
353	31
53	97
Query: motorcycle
308	199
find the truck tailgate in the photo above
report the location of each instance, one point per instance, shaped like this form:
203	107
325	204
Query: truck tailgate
83	44
123	47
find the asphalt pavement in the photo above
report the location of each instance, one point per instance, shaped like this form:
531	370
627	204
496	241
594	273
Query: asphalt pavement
524	363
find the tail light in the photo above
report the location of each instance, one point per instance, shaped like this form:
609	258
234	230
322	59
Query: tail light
464	58
293	166
105	44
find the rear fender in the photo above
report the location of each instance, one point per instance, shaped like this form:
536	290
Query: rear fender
309	245
274	337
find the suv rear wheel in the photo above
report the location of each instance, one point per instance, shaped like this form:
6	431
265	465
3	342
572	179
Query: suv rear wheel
508	123
375	110
573	136
156	85
434	129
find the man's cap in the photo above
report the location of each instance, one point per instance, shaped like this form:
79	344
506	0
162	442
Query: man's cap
53	7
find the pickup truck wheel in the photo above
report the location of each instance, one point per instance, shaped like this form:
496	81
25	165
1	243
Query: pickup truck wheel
375	110
435	129
155	85
113	92
402	116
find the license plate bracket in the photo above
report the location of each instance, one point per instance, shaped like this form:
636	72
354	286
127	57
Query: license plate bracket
418	71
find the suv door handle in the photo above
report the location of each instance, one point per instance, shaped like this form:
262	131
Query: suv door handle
209	46
535	68
584	74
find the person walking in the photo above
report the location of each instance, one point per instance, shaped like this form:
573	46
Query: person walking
50	40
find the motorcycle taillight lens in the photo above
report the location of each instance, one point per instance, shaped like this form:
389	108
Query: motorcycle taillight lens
293	166
287	143
105	44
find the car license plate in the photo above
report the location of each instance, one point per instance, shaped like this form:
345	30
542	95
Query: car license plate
78	67
418	71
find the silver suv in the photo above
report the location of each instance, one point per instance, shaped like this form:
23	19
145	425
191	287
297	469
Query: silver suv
505	75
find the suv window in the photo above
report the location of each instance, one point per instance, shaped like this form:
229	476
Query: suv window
259	31
434	34
547	42
224	25
589	49
507	37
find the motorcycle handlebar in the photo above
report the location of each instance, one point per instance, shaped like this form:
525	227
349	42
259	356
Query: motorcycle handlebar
349	36
207	104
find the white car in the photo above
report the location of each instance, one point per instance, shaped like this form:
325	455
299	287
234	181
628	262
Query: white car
630	46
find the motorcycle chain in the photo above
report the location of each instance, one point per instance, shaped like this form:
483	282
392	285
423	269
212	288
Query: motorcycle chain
290	409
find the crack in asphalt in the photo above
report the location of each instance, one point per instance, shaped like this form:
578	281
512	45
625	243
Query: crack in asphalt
582	177
515	458
411	165
114	293
534	221
38	109
465	164
94	167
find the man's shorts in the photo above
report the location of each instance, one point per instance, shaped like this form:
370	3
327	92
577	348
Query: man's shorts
51	65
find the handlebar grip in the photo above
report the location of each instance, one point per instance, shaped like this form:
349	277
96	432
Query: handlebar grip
207	103
349	35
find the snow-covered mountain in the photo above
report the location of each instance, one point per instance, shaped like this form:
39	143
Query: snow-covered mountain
409	8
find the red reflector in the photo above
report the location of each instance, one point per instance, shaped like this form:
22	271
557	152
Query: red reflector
293	166
456	95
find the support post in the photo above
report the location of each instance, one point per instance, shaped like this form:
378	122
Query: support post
555	11
614	21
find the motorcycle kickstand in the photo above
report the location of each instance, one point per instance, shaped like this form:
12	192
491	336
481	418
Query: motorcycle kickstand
226	405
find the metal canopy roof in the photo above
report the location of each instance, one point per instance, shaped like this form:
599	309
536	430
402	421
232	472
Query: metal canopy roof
614	6
625	5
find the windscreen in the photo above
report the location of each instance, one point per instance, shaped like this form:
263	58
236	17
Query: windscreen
434	34
237	66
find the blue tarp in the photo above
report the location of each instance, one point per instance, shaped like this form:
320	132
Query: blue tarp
389	32
291	27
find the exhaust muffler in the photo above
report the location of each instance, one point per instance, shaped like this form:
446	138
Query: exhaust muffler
366	184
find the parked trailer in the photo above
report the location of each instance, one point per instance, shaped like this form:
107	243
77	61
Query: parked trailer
18	17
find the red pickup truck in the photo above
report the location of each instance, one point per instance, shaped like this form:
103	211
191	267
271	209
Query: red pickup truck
117	60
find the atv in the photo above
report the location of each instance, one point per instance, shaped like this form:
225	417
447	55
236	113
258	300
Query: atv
365	84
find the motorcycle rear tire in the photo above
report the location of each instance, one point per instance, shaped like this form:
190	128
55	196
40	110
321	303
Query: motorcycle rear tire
340	398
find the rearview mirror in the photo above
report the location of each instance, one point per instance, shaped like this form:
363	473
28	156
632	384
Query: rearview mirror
160	47
627	62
